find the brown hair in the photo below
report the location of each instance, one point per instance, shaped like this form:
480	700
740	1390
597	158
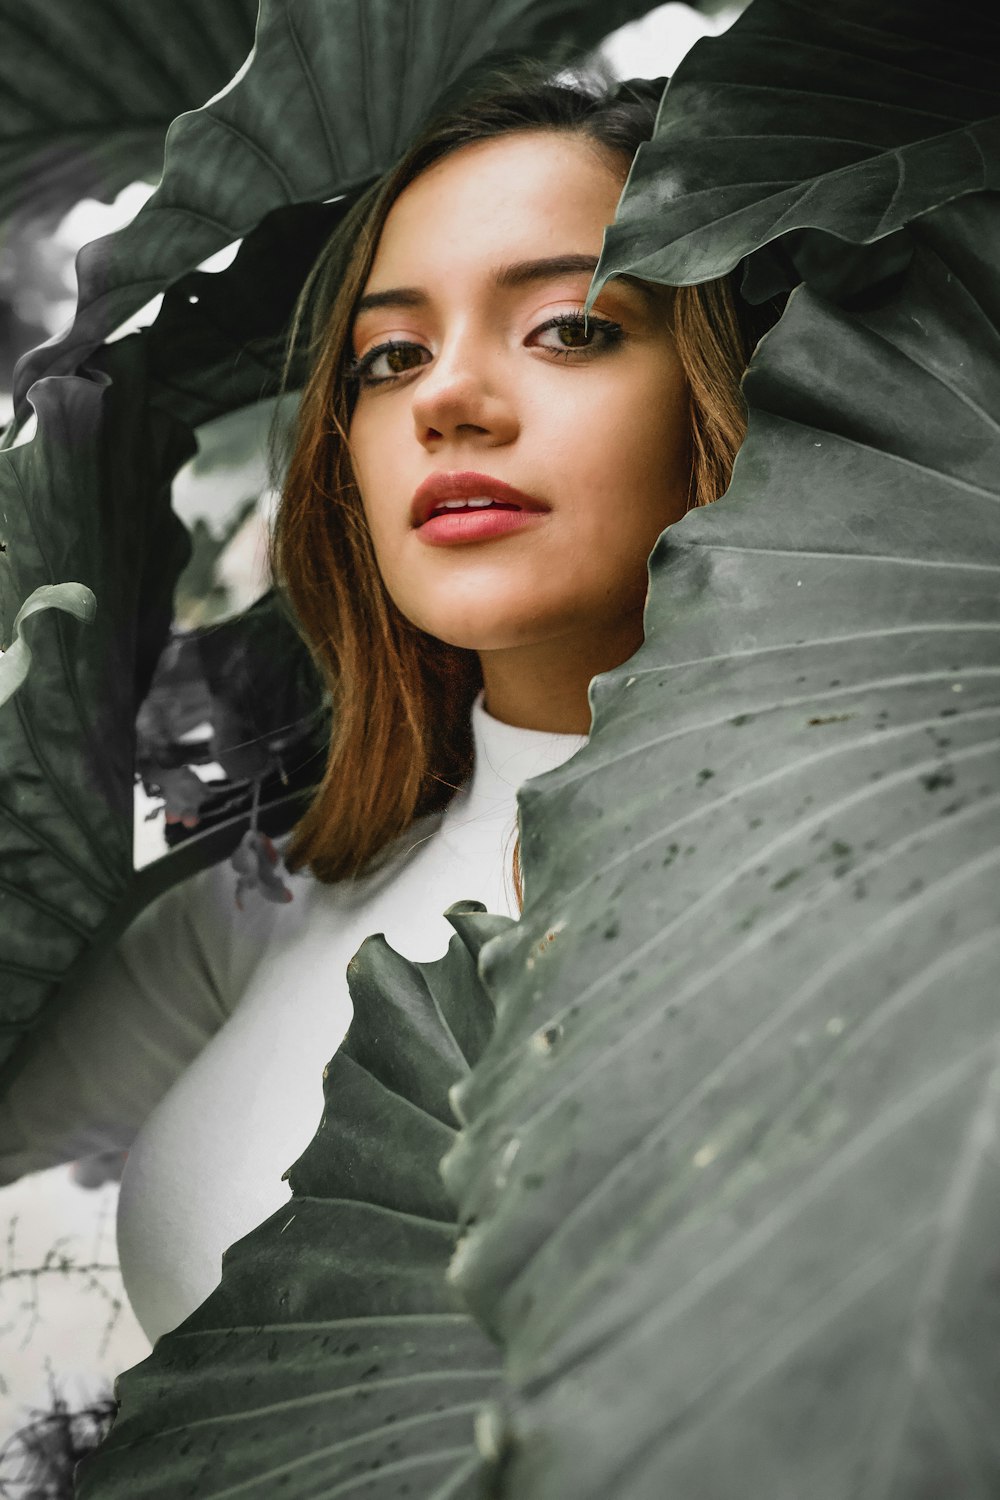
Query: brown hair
401	700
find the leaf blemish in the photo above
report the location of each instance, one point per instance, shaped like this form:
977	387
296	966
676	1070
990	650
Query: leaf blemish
550	937
545	1040
938	779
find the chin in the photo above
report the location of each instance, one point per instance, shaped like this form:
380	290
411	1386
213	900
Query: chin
477	640
493	635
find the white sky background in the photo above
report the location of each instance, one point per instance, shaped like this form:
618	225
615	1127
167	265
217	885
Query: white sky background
48	1205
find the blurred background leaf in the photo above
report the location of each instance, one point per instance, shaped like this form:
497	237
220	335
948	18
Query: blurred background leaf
333	93
87	92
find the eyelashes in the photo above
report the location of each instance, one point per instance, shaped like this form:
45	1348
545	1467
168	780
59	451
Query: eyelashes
610	335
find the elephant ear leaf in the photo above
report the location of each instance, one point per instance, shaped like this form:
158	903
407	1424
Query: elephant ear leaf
334	1357
332	94
84	516
87	91
807	129
745	1083
85	512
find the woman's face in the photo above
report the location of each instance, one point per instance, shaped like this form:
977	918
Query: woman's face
593	427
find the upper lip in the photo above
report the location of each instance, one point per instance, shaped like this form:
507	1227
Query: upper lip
464	485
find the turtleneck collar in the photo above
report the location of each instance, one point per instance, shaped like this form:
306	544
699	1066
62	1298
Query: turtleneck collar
506	756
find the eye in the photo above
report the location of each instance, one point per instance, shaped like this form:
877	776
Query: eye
587	336
582	333
397	355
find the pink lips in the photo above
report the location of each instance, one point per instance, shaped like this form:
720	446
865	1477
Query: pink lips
476	525
465	485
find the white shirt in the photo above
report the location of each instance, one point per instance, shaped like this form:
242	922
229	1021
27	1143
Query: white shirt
199	1043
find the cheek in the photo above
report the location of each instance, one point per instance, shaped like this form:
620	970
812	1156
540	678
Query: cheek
664	404
360	449
371	469
660	434
641	437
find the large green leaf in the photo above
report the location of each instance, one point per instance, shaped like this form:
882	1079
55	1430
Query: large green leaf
87	91
86	501
731	1157
334	92
809	121
334	1358
218	341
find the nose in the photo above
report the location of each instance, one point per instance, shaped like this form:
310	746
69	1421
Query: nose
465	394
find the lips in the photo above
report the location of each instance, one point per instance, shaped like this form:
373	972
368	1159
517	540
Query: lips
466	485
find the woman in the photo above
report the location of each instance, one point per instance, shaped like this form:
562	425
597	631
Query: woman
477	480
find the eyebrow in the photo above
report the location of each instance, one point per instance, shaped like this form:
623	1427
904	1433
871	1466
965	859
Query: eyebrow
519	273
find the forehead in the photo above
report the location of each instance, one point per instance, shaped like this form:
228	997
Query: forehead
528	193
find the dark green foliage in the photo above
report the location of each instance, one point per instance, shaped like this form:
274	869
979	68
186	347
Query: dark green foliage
87	91
218	342
729	1156
89	501
334	94
806	126
334	1355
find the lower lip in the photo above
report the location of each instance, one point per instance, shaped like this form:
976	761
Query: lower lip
475	525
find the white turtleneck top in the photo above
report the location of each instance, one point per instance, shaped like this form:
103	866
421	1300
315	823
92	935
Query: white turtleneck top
199	1044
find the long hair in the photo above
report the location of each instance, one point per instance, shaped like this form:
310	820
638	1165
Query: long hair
401	700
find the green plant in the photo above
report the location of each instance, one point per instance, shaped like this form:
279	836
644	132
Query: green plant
722	1195
86	93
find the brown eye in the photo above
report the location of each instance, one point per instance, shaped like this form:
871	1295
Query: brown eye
576	335
572	335
400	358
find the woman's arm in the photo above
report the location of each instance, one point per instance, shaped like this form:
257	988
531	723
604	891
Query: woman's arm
94	1069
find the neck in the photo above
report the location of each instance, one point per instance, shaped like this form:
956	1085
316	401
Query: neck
544	685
